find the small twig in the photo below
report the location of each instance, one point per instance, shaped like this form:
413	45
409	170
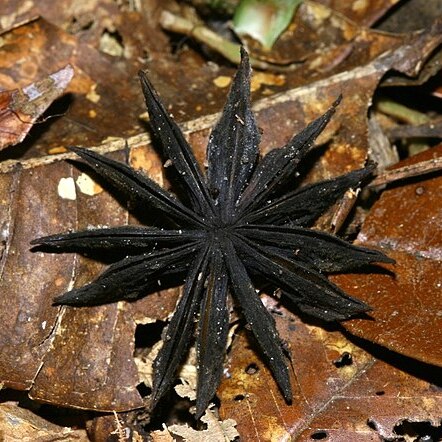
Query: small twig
344	208
429	130
401	112
228	49
424	167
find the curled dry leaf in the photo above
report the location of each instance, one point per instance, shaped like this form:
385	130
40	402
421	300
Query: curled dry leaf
20	424
20	108
37	47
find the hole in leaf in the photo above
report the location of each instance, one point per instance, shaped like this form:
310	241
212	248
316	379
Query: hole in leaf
239	397
319	435
80	24
146	335
343	360
111	42
372	424
421	431
252	369
143	389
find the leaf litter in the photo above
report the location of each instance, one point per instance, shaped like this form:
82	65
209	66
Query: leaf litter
335	161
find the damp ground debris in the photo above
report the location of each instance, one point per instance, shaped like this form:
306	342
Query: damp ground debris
238	221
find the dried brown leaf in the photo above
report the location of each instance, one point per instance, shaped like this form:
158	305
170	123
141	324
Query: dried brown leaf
217	431
84	357
359	400
20	424
20	108
365	13
96	95
407	304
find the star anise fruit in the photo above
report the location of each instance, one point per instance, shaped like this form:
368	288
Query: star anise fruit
236	225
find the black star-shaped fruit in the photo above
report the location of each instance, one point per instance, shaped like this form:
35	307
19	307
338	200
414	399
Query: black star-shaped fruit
236	224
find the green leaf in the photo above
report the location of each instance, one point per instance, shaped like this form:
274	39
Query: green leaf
264	20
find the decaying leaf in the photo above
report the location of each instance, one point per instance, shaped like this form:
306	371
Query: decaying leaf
407	220
20	424
52	48
364	398
20	108
161	436
354	401
239	225
86	359
105	349
217	431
